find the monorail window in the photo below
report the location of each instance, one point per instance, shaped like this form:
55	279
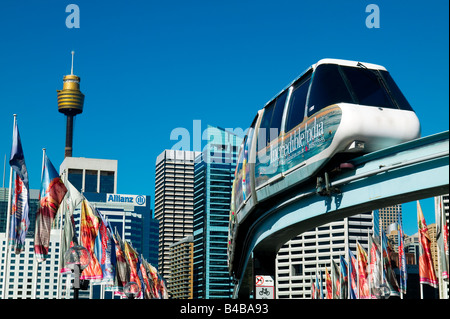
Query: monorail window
296	110
327	88
271	122
395	91
263	135
368	87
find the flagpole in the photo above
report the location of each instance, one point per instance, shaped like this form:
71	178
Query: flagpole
8	217
36	264
61	253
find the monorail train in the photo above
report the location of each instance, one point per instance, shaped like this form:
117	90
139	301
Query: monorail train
335	109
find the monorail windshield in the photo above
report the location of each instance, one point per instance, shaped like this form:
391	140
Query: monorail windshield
334	83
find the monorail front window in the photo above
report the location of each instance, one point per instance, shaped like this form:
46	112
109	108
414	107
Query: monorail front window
358	85
327	88
368	88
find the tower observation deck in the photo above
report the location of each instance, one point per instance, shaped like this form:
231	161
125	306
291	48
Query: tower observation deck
70	103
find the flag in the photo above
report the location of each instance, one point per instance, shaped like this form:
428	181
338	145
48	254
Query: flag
363	285
426	269
336	278
389	275
122	271
89	228
442	237
313	289
343	277
133	260
154	281
402	260
19	219
374	267
50	197
106	251
72	199
353	282
321	285
317	288
328	284
145	279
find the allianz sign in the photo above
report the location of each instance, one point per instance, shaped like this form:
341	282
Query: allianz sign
136	200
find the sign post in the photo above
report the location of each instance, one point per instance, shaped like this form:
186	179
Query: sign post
264	287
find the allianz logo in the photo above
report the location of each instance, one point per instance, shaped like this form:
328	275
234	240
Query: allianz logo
132	199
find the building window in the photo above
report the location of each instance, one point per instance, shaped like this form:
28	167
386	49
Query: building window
90	181
76	178
106	182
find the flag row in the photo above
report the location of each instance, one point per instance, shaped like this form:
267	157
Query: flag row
370	274
113	261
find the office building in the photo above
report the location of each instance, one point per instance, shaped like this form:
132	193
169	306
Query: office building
390	215
174	202
90	175
302	258
181	268
213	179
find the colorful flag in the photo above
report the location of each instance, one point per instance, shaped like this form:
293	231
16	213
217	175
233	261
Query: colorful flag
122	271
106	250
133	260
145	279
353	282
328	284
363	284
374	267
389	275
19	219
426	269
153	275
50	197
343	277
89	228
442	237
313	289
317	288
402	260
72	199
336	278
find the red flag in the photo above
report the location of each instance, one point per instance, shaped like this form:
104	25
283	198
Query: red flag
362	272
329	284
89	227
426	269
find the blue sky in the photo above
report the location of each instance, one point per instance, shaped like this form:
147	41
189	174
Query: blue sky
148	67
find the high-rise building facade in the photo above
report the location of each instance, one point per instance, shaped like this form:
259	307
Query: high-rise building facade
302	258
213	179
181	268
174	202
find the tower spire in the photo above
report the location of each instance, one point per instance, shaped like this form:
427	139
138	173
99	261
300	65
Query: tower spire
71	69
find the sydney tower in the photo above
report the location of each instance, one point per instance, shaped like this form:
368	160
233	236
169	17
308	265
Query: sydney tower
70	103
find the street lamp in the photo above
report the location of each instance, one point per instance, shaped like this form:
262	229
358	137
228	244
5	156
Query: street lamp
131	289
77	258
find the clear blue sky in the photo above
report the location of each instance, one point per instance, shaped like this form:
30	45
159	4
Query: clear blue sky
148	67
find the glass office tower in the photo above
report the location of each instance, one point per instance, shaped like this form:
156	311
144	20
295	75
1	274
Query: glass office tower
213	180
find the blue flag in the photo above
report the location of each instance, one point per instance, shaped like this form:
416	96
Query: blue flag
20	207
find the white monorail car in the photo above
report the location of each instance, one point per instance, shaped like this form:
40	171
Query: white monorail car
336	108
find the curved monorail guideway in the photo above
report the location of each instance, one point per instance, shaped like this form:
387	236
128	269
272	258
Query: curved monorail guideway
339	140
